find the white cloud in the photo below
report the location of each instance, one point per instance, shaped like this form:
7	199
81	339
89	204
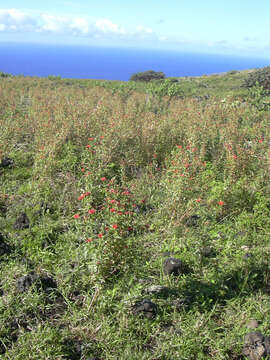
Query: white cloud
80	25
12	20
107	26
143	30
16	20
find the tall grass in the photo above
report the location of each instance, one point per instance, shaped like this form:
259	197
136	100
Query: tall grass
112	181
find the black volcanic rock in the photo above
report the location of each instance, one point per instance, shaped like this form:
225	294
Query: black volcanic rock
172	266
4	247
22	222
145	308
25	282
256	345
6	162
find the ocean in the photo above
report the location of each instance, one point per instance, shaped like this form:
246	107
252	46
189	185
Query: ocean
113	63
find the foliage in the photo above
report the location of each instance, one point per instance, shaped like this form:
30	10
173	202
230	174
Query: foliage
54	77
259	97
259	77
115	177
147	76
4	75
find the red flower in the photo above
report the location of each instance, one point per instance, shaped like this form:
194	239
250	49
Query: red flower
260	141
91	211
88	146
112	210
114	226
221	203
89	240
81	197
83	169
103	178
76	216
179	146
91	138
101	137
198	200
100	235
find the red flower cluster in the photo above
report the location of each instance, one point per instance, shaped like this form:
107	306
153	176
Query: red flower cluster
84	195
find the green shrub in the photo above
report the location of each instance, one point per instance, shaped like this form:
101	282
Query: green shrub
54	77
147	76
4	75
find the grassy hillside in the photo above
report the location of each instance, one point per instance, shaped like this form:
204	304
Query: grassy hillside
134	219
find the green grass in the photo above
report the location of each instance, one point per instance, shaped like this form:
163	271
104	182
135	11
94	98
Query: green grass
114	178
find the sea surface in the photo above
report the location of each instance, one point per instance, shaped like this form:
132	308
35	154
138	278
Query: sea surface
113	63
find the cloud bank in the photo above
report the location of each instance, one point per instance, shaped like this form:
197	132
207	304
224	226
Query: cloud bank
14	20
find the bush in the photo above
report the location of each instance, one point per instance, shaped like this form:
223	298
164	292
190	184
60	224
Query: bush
4	75
259	77
147	76
54	77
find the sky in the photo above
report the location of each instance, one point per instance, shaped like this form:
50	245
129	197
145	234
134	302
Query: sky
233	27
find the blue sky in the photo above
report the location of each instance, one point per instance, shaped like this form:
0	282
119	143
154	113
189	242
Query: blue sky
236	27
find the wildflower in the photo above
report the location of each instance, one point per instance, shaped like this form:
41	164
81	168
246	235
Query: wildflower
83	169
91	211
221	203
101	137
87	193
76	216
103	178
179	146
89	240
115	226
112	210
91	138
260	140
198	200
235	157
88	146
120	213
100	235
81	197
